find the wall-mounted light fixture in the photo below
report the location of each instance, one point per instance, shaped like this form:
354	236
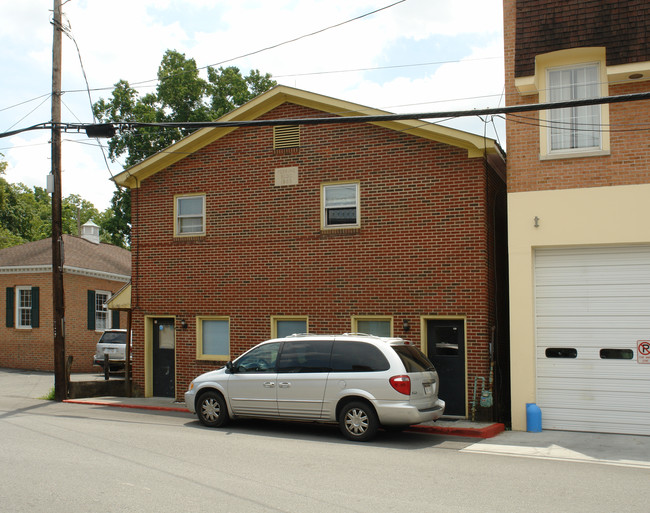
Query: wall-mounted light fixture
406	325
183	324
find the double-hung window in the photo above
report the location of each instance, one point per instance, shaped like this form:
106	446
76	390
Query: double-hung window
190	215
574	128
24	307
340	205
102	319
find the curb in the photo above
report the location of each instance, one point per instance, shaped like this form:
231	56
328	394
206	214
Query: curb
132	406
486	432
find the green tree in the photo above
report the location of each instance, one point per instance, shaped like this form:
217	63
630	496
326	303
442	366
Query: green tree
181	96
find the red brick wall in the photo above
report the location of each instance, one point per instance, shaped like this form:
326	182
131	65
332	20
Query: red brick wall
422	248
33	349
629	142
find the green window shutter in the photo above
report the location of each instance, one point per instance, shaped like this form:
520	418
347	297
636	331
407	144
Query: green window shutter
10	307
91	310
35	306
116	319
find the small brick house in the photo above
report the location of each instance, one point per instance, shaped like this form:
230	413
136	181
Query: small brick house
578	210
92	273
241	234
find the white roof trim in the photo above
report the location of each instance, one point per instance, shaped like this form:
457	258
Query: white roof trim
32	269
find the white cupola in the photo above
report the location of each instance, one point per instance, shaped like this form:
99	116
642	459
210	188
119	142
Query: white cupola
90	232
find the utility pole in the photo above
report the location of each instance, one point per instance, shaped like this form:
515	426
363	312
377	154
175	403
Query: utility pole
60	381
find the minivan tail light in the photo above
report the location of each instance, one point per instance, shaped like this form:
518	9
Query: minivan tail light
402	384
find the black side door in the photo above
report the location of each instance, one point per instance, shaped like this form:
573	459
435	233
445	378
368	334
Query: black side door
446	350
164	358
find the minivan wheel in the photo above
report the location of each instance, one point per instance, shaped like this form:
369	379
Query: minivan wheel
211	409
358	421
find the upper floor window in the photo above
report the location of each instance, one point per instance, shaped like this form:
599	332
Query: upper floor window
341	205
574	128
190	215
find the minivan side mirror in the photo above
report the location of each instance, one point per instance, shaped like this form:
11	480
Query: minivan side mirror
230	368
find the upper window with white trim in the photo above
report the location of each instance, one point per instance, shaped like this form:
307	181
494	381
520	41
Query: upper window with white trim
574	128
190	215
340	205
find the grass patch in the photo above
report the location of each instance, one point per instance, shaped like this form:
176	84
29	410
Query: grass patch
50	396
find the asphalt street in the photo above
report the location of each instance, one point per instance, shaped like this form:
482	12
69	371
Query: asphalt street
71	457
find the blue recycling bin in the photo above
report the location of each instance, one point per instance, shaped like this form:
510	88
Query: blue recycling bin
533	418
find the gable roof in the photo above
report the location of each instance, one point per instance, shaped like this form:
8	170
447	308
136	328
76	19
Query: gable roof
475	145
79	255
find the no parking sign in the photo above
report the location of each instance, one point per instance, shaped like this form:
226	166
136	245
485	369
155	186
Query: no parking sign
643	351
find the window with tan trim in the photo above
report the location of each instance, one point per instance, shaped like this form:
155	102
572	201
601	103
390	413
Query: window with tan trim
285	325
189	215
379	325
570	74
340	205
213	338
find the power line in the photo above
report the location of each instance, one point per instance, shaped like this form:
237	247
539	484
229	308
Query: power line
105	127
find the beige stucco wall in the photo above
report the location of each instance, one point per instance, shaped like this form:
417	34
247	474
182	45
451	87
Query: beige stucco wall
573	217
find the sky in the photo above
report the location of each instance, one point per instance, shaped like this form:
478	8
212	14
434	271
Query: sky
412	56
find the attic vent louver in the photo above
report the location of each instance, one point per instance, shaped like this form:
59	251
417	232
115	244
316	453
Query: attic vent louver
286	136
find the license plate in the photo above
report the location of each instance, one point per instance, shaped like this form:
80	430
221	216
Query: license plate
428	390
109	350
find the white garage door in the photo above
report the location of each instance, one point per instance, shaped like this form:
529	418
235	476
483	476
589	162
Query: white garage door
592	309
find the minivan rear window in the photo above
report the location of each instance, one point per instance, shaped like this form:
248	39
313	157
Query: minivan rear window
413	359
111	337
357	357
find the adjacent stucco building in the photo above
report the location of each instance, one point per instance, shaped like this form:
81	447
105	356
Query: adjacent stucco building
578	211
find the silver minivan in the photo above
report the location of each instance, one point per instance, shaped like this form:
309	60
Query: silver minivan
359	381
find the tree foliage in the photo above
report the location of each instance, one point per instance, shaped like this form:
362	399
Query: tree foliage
181	96
26	214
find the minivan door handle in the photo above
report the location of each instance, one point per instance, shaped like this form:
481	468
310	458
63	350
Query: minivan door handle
269	384
284	384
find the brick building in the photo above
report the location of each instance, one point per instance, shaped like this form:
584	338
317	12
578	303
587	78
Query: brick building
243	234
92	272
578	210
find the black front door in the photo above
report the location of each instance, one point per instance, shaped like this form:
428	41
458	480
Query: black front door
164	356
446	350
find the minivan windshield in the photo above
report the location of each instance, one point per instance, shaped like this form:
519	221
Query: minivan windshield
413	359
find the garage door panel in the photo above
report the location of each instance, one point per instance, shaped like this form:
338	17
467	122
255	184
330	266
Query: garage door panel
588	299
582	290
547	386
584	336
594	306
578	421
